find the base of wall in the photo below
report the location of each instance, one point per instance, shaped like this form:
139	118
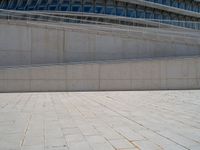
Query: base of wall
149	74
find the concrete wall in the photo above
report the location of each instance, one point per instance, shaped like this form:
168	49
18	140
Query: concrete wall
174	73
25	44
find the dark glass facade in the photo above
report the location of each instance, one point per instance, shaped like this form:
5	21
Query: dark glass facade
181	10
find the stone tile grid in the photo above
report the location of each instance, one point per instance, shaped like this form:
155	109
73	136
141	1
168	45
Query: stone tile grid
137	120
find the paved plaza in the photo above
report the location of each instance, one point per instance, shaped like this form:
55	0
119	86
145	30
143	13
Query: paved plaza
139	120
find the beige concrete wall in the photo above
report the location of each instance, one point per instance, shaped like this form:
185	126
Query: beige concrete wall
174	73
25	44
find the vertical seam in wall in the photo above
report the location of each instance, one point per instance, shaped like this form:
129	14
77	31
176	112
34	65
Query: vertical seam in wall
94	47
166	74
63	58
63	46
187	74
47	36
99	75
160	78
130	67
197	72
30	69
66	67
58	49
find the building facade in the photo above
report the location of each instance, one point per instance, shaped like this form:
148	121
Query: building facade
178	10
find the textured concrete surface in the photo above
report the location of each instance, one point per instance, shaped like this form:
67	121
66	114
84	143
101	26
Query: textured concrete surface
149	120
146	74
26	44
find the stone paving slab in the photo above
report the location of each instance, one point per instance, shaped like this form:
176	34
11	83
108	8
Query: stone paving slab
138	120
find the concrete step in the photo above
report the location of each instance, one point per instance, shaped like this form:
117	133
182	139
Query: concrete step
143	74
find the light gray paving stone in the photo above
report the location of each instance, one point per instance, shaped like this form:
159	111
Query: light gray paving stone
102	146
33	147
56	142
129	149
129	134
32	140
96	139
80	145
74	138
167	120
121	144
195	147
68	131
147	145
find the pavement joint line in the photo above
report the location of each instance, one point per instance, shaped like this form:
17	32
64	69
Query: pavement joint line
99	122
142	125
73	119
52	100
131	142
26	130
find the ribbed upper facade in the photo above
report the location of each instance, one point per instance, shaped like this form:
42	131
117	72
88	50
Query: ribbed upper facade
182	10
